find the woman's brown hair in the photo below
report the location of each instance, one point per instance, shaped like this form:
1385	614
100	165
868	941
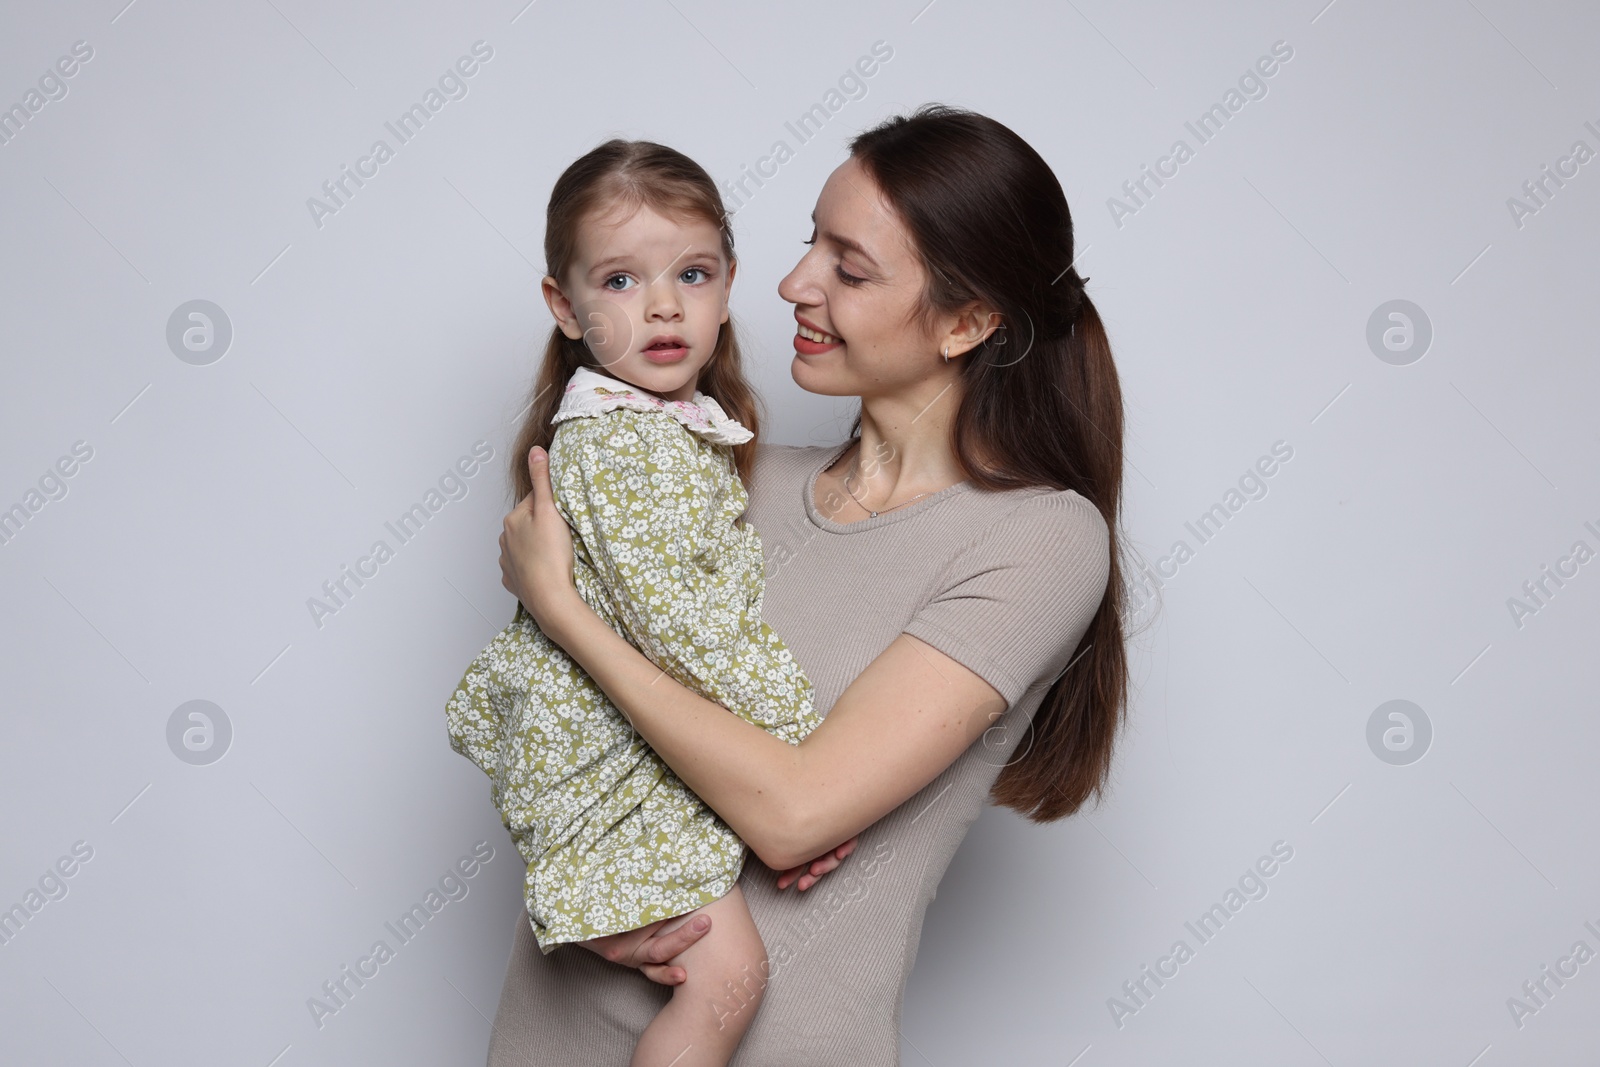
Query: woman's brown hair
1041	405
629	174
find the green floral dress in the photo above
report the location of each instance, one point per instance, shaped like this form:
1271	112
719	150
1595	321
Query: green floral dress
613	839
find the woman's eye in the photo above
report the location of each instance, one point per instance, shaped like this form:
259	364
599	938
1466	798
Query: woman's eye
846	277
694	275
612	282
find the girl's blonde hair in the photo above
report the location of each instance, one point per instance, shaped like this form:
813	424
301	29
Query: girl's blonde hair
630	174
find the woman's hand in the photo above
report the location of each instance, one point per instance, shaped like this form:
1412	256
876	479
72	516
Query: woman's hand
536	550
809	874
650	947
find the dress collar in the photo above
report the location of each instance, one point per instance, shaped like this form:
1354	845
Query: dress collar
589	392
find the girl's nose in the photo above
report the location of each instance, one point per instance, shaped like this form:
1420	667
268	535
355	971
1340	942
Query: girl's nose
662	301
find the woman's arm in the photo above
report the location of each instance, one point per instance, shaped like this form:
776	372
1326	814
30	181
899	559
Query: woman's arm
899	724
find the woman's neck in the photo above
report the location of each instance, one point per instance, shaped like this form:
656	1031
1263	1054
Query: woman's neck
905	447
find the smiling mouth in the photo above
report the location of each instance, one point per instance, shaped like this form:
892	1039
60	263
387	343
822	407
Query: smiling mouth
818	336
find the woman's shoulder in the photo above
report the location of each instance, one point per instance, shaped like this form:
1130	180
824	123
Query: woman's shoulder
1016	595
1030	542
1043	515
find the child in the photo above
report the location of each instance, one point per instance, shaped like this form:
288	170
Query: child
646	467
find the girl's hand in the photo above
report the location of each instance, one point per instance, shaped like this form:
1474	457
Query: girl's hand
809	874
649	948
536	550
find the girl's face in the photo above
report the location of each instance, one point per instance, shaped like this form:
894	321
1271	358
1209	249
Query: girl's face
648	295
856	293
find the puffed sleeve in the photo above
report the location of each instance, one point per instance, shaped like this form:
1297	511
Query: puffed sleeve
1016	601
647	499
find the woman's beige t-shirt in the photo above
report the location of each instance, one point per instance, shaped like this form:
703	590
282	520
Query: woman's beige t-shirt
1004	583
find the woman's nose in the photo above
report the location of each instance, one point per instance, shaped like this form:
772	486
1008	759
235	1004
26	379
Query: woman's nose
799	286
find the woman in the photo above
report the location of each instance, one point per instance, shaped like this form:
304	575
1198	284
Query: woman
949	573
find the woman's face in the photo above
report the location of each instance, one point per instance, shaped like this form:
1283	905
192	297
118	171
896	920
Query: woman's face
855	295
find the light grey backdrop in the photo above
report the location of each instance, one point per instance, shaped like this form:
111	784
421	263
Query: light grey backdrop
1441	455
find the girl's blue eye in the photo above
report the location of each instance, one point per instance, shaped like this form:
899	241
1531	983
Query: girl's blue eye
701	271
617	278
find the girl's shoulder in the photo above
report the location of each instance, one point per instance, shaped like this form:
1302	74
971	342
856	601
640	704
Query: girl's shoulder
590	394
625	430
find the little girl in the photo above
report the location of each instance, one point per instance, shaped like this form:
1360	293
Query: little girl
646	467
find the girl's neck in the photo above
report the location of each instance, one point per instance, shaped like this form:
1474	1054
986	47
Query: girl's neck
686	392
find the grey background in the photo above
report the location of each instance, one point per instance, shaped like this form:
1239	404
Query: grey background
369	354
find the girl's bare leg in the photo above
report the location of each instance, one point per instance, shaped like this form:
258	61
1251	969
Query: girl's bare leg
709	1012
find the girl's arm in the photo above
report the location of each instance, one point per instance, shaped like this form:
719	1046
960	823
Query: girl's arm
906	718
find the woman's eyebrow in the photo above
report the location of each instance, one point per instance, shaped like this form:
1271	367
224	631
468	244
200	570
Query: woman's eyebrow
845	242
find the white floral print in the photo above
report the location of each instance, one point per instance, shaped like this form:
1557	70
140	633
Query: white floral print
612	838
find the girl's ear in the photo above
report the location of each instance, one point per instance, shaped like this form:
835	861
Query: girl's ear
561	308
727	290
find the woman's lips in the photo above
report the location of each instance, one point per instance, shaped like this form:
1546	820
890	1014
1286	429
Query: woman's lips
820	341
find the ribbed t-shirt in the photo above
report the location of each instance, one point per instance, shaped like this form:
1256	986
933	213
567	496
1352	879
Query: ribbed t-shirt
1005	583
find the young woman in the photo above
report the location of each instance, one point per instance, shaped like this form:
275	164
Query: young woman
948	578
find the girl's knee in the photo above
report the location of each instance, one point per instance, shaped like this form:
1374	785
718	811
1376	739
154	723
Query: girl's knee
730	973
733	997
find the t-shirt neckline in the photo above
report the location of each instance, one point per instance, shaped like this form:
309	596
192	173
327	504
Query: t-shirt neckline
886	518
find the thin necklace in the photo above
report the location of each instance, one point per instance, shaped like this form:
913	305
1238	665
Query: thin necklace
869	511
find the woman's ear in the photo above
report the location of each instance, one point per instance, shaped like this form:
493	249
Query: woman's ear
971	327
561	308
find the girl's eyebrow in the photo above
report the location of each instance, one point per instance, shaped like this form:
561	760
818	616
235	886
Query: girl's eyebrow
688	253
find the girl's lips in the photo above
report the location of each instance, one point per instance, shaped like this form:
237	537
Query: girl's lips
666	354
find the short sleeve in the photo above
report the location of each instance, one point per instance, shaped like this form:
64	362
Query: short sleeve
1014	604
